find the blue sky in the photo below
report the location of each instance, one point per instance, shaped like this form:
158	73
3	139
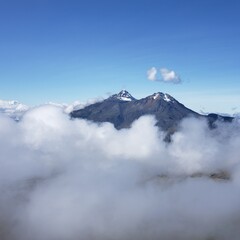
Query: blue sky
67	50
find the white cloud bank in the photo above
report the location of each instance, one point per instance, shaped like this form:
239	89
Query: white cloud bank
166	75
72	179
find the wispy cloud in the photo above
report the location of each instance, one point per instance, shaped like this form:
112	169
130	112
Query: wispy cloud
165	75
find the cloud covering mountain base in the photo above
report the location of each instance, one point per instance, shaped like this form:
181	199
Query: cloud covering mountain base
73	179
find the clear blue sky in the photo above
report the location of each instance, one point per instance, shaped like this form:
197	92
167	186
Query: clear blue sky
64	50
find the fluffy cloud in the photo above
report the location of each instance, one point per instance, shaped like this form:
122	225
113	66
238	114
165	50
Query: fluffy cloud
166	75
169	76
152	74
74	179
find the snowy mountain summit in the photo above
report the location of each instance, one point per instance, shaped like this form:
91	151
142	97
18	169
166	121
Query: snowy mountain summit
166	97
13	109
123	96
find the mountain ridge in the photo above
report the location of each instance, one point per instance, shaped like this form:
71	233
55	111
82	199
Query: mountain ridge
122	109
123	112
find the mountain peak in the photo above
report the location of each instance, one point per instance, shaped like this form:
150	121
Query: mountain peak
166	97
123	96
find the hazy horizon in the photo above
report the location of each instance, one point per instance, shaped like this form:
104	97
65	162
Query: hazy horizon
202	106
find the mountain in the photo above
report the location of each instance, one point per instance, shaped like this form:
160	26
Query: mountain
13	109
122	109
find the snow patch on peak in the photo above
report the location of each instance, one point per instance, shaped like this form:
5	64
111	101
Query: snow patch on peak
166	98
125	99
156	95
124	96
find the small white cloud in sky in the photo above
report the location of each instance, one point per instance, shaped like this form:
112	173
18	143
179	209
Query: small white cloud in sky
152	74
169	76
166	75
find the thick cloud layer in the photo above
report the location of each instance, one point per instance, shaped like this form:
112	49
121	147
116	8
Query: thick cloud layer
72	179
